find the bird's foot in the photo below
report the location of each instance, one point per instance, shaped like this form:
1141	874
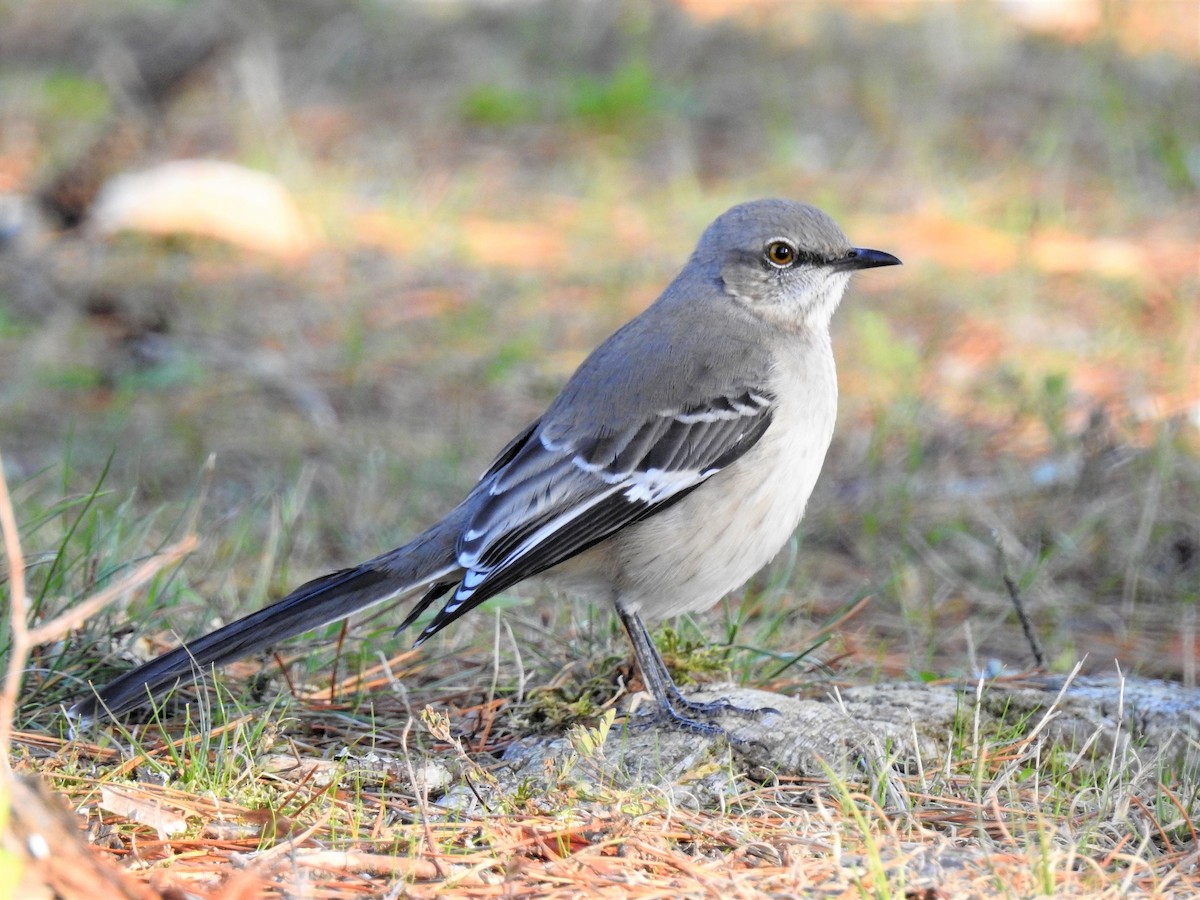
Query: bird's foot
666	717
712	709
703	717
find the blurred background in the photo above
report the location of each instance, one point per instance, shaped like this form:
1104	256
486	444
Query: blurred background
347	249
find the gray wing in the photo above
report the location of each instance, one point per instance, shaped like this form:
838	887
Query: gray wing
545	500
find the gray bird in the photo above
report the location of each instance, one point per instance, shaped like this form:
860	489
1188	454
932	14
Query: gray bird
674	464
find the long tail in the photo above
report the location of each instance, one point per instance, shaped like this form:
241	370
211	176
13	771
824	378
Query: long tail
426	563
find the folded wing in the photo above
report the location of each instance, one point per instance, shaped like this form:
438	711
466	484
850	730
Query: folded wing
546	499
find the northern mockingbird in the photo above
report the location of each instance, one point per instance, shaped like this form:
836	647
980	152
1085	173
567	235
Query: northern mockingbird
674	464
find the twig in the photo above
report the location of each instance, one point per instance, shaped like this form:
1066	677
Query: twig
337	656
374	863
292	843
421	792
1039	657
1014	594
17	607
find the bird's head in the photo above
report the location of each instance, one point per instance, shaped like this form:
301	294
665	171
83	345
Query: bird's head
784	261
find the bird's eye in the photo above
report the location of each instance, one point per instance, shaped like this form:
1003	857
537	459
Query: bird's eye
781	254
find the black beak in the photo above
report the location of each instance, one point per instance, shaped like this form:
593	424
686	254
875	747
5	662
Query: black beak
861	258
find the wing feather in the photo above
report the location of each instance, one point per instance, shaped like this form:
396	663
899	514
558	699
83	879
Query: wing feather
546	500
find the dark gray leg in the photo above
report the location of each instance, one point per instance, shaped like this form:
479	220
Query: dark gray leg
672	705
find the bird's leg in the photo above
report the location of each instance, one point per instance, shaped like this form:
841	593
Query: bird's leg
672	704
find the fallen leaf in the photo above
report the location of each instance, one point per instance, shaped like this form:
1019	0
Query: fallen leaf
144	811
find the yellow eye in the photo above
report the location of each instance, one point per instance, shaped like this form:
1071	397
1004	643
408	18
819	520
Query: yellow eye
781	254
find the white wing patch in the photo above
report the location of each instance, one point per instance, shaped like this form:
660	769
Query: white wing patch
655	485
737	408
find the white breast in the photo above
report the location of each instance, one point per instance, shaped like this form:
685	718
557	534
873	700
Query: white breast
689	556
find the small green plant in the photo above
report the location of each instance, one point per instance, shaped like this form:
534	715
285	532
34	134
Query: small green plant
618	101
628	95
1052	401
691	659
69	95
496	106
587	741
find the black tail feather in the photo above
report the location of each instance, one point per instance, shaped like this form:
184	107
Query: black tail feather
316	603
435	592
422	564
